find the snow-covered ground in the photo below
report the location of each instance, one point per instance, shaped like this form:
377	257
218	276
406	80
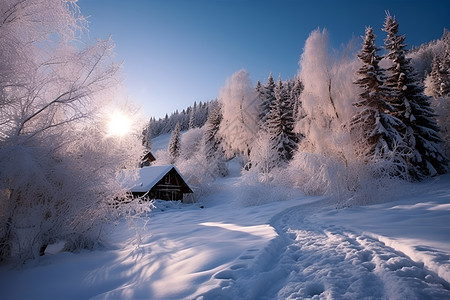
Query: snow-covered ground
294	249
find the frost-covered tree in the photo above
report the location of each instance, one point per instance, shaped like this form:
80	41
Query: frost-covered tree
374	129
240	110
174	147
318	119
57	180
412	107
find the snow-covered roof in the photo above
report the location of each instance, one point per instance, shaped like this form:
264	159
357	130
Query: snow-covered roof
144	179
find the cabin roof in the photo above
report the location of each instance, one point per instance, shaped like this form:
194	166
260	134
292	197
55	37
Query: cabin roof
149	156
144	179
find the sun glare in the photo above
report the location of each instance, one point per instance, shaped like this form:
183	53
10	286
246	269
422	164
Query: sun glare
119	124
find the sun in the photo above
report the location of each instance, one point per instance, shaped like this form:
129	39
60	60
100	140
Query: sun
119	124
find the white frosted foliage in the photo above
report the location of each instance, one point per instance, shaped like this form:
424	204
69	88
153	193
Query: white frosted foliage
240	113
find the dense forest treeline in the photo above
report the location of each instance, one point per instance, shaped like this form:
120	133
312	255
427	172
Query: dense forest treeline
346	122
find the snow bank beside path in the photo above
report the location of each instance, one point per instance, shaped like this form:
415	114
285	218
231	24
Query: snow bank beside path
417	225
383	251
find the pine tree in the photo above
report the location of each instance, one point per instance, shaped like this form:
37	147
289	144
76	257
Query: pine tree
192	119
174	144
280	124
147	136
295	97
268	99
373	128
211	138
434	88
213	150
413	108
440	72
261	98
288	120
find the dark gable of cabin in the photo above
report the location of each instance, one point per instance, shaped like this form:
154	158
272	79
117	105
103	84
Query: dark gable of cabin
170	187
147	159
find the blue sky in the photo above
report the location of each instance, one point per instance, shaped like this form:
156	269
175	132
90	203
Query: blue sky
178	52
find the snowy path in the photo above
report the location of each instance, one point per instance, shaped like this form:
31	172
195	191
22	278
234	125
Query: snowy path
308	260
296	249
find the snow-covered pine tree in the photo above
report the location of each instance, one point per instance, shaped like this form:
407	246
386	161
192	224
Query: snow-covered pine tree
192	119
268	99
174	144
147	137
374	130
439	84
295	96
288	120
435	78
213	150
260	95
211	139
412	107
280	124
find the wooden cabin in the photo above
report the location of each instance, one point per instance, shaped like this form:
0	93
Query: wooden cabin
157	182
147	159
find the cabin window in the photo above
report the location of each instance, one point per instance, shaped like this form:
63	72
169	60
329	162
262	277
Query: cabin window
167	179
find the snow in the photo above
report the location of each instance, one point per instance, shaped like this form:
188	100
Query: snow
295	249
160	142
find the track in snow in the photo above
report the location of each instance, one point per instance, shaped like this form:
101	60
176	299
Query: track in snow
325	262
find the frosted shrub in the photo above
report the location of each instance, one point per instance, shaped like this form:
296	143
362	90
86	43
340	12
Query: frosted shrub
47	200
346	183
375	182
253	192
163	157
191	142
264	157
318	174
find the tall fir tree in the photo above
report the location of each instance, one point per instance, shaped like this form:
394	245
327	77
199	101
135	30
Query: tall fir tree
268	99
440	72
174	144
373	129
147	136
192	119
280	124
259	88
412	107
213	150
211	137
295	93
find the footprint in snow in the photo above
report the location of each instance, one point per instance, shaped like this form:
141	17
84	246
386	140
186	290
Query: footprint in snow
226	274
246	257
238	266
